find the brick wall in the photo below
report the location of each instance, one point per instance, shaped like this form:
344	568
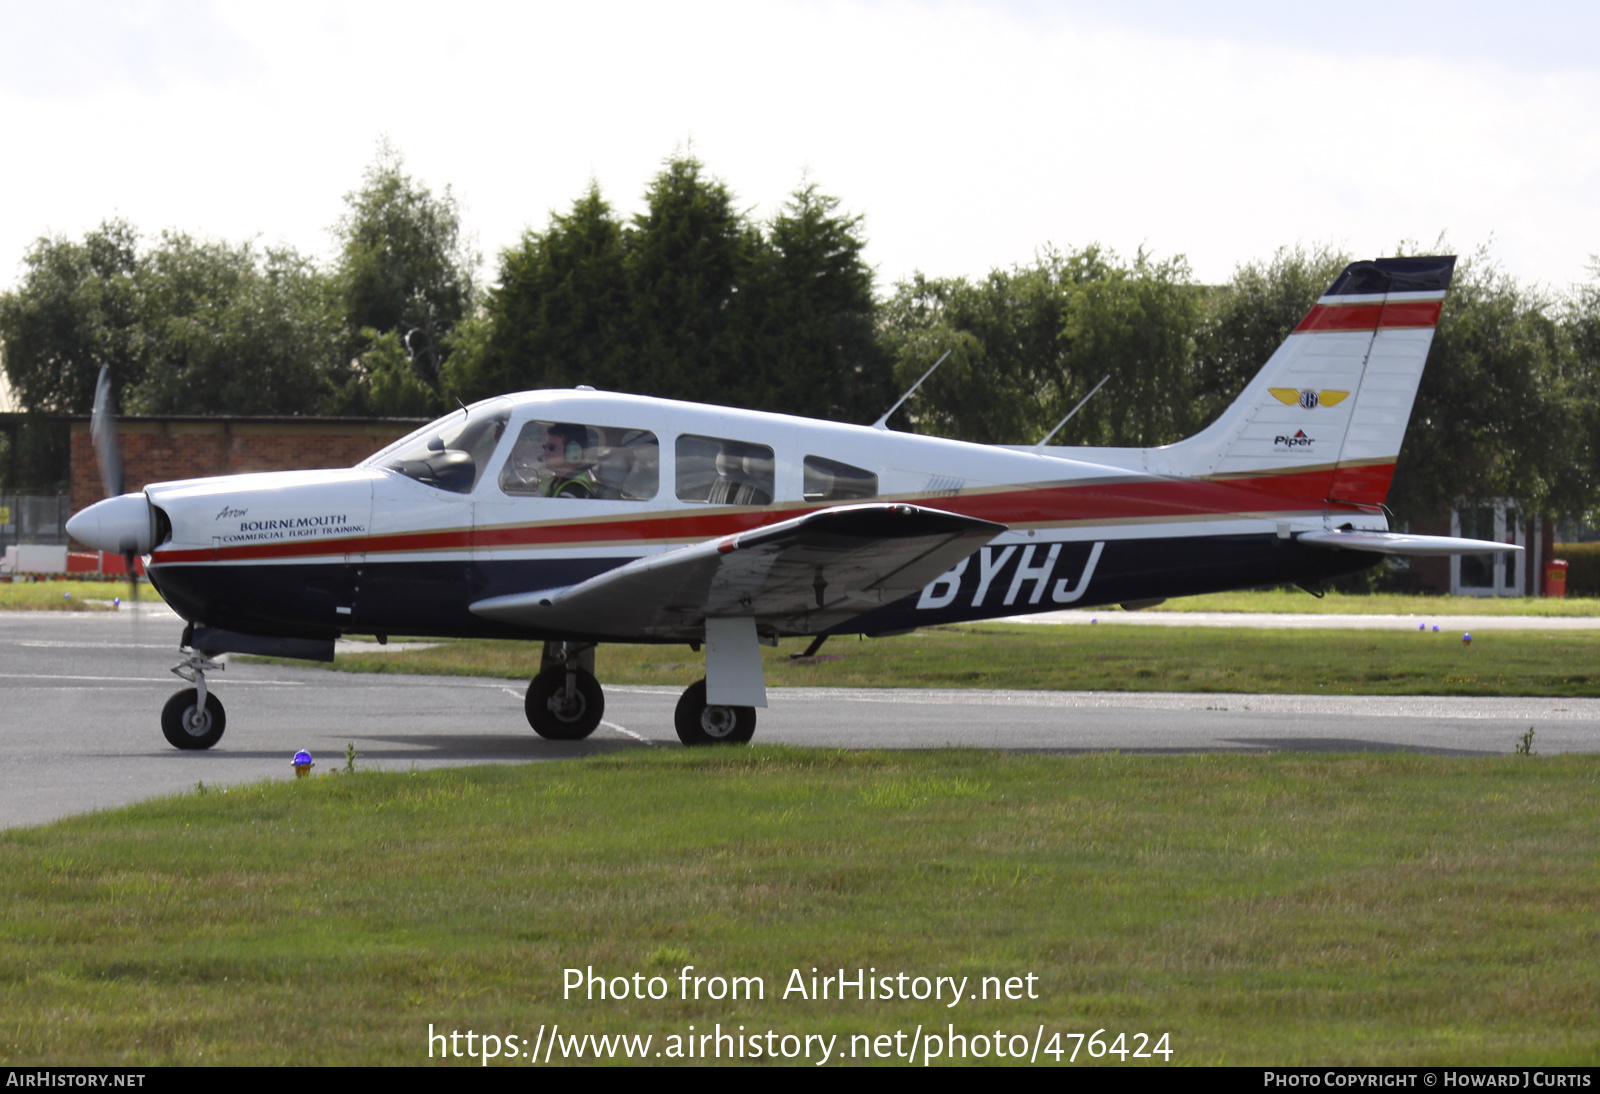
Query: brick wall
162	449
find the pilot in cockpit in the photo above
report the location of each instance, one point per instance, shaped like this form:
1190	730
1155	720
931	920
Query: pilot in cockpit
566	475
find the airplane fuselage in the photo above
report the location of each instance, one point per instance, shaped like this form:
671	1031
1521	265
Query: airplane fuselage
375	549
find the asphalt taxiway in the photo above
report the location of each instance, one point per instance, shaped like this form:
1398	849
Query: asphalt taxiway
81	696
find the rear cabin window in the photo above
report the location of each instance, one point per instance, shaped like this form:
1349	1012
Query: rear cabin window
577	460
830	480
724	472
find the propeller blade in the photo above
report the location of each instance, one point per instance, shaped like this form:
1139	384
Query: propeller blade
129	558
108	454
103	428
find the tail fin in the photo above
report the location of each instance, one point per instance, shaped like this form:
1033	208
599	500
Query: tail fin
1336	396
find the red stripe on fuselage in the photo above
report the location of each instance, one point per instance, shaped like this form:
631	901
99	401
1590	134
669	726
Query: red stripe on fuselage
1365	483
1123	500
1152	499
1360	317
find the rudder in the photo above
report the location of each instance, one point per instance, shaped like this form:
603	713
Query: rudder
1336	396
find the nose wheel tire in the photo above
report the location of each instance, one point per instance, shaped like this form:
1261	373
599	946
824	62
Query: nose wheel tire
700	723
185	725
554	716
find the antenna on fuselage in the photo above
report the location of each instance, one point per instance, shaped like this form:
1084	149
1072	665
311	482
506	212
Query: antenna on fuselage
883	422
1073	411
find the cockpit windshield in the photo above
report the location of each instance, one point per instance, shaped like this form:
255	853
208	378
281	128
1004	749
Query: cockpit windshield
451	453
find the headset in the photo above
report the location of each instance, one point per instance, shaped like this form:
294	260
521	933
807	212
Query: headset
573	452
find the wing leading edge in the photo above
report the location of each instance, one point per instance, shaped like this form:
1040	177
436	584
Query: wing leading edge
801	576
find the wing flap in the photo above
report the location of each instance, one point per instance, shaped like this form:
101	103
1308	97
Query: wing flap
803	575
1403	543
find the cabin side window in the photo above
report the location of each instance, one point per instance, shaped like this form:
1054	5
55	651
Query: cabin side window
724	472
452	453
830	480
576	460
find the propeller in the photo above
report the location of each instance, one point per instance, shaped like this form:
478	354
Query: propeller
108	455
103	428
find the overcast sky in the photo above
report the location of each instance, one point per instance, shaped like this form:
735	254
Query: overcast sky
968	133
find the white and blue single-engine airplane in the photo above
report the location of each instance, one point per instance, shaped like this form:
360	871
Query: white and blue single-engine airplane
579	517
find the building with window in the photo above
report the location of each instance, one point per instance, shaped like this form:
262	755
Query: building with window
1504	573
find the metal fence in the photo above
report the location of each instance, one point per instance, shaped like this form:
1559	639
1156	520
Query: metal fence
32	519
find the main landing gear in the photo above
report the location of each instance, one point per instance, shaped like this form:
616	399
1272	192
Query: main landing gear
193	718
702	723
565	703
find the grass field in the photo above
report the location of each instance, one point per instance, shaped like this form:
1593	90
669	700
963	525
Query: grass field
67	596
1384	909
1105	657
1298	601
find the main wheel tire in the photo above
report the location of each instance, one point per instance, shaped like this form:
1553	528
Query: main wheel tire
187	727
699	723
552	717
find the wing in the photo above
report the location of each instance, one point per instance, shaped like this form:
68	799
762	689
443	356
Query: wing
802	576
1402	543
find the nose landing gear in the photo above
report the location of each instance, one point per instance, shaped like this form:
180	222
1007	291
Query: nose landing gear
193	718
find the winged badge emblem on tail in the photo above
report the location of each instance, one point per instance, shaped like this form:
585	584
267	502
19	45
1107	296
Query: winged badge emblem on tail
1308	398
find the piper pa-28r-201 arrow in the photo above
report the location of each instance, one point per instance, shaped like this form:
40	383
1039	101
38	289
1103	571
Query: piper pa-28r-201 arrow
579	517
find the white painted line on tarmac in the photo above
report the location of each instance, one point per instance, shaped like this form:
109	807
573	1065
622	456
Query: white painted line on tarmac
148	680
42	644
628	733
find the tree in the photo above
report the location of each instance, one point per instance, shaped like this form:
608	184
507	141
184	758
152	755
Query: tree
688	255
76	309
187	327
811	315
403	264
393	388
557	316
1136	324
993	352
1580	323
1027	343
231	329
689	300
1497	413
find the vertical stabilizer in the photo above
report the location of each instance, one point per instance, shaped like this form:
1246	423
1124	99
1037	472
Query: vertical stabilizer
1332	403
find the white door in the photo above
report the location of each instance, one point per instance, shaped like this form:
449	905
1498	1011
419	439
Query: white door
1501	573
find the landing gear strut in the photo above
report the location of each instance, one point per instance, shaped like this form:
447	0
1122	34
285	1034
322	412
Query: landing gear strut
193	718
564	701
699	723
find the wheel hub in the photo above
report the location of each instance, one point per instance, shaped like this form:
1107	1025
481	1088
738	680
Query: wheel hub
718	722
197	722
568	710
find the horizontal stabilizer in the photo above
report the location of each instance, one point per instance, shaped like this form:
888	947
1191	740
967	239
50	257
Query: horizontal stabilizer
800	576
1401	543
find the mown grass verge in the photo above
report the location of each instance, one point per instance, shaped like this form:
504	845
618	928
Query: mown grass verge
1283	909
1298	601
68	596
1106	657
